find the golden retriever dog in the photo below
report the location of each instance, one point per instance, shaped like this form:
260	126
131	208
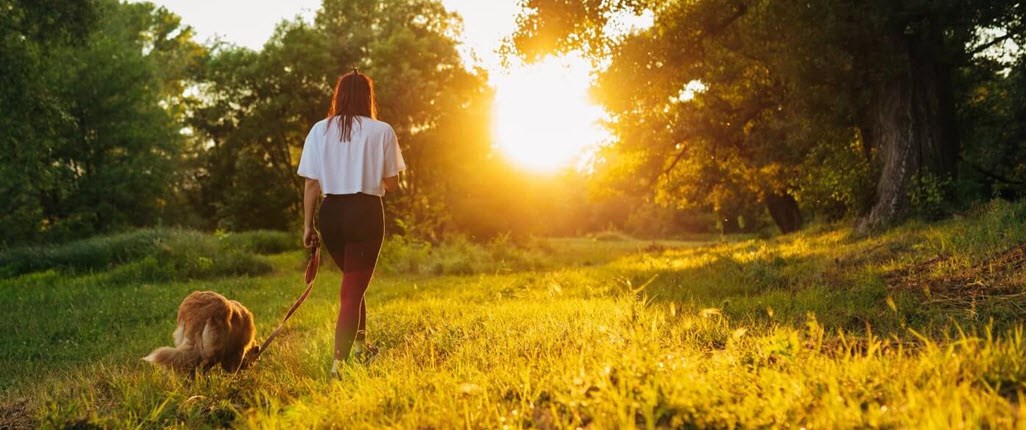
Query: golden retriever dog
212	330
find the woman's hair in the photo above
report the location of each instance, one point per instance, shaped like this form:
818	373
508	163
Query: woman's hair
354	95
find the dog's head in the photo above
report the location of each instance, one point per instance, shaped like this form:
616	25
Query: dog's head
250	357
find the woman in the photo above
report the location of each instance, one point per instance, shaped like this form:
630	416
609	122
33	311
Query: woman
351	159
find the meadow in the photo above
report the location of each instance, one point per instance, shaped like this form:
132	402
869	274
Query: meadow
920	327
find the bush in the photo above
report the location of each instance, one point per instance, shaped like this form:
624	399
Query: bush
170	266
90	254
262	241
404	255
145	255
928	195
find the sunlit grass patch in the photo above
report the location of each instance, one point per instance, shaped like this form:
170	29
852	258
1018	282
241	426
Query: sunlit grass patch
808	329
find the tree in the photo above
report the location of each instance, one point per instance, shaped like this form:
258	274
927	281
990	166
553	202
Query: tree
258	106
90	147
28	109
994	126
878	71
438	108
254	109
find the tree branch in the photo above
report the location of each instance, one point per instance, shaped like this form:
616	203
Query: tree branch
990	44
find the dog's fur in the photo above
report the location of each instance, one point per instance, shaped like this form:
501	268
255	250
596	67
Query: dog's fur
212	330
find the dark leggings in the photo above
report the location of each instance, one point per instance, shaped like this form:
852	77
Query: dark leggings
352	227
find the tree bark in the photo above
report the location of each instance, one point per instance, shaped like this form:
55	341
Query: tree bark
910	120
784	210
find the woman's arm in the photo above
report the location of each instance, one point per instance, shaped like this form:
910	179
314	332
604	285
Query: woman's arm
311	192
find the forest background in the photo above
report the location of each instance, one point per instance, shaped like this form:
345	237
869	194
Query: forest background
725	117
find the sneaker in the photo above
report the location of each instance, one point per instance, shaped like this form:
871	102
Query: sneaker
366	355
336	368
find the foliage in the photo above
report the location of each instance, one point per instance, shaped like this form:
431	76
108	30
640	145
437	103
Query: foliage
993	128
721	111
261	241
928	195
257	108
721	104
742	333
833	191
146	255
89	147
28	112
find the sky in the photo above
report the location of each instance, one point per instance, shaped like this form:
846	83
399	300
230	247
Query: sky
250	23
244	22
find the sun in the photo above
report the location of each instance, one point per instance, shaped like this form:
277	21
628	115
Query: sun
544	120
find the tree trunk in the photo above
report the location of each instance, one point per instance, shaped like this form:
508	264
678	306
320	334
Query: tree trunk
783	208
910	120
728	223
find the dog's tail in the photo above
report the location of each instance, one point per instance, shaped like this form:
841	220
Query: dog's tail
183	358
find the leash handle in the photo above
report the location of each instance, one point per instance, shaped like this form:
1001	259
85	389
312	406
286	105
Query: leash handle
310	276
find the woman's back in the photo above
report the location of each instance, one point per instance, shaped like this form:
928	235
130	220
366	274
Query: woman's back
354	166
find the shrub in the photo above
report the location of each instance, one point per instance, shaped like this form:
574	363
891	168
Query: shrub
928	195
144	255
95	253
262	241
404	255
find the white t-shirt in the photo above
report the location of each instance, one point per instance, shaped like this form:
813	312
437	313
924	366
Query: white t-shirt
356	166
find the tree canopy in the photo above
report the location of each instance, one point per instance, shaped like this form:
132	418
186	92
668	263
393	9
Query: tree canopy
87	145
724	114
797	101
256	108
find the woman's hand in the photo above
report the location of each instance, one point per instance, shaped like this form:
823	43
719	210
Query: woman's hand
391	184
310	238
311	192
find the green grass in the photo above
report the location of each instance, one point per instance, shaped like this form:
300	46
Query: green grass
916	328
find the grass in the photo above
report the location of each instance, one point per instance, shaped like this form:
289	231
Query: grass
919	328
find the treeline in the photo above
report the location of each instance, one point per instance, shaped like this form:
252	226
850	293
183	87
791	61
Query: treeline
114	117
729	116
89	115
875	109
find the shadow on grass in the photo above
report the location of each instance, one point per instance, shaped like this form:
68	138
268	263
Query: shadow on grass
841	282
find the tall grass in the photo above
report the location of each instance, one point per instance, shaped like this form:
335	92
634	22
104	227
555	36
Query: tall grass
460	256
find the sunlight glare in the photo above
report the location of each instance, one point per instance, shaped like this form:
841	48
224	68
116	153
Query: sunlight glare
544	119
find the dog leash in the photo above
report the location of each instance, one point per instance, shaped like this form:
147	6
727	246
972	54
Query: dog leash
311	274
